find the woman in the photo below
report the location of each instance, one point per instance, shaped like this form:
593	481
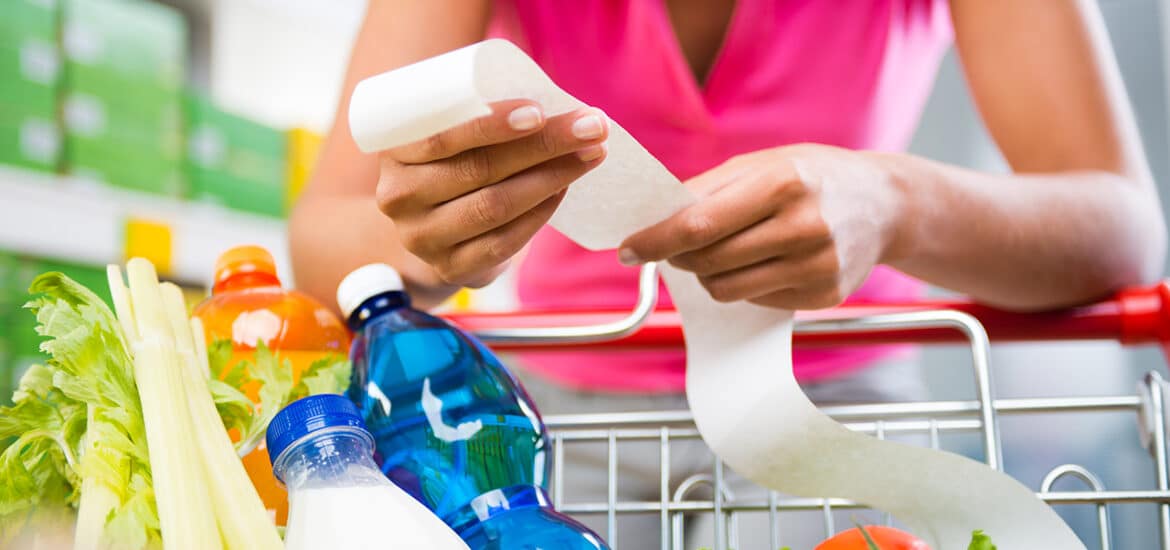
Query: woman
788	119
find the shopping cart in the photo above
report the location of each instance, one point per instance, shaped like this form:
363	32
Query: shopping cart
1134	317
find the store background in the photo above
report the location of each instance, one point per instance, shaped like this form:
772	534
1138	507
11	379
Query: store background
278	65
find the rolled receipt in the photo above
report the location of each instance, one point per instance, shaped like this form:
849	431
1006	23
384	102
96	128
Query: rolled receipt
745	399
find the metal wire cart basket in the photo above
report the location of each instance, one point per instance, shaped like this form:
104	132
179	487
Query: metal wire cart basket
1136	317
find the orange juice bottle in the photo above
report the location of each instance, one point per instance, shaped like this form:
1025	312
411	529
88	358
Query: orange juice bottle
248	306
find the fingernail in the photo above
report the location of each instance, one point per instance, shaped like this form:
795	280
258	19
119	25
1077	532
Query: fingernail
524	118
593	152
588	127
628	257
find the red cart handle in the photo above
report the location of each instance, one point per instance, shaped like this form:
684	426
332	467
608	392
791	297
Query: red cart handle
1133	317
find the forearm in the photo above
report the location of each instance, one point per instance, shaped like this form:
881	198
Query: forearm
1031	241
331	235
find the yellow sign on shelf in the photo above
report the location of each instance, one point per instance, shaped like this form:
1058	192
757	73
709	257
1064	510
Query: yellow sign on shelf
303	148
151	240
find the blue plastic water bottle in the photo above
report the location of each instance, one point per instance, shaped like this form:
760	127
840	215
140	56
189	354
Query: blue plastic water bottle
451	425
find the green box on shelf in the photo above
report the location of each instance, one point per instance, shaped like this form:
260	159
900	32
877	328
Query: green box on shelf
31	142
28	19
238	194
122	165
225	131
123	92
132	37
156	128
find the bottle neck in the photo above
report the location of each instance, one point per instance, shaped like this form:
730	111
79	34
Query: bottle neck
341	456
242	281
377	306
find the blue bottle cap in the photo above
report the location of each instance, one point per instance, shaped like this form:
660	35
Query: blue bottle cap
308	415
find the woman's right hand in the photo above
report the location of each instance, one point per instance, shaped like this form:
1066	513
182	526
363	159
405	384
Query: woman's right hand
468	199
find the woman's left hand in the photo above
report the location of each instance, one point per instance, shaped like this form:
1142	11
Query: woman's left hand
796	227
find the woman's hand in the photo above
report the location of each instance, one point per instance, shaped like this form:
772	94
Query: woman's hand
796	227
466	200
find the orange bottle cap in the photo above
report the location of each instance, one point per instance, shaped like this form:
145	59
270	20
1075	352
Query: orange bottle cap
247	259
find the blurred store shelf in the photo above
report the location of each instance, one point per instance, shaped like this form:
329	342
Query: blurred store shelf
63	217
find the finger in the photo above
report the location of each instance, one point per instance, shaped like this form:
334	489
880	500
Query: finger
711	181
787	234
699	225
507	121
818	296
577	132
811	269
496	205
496	247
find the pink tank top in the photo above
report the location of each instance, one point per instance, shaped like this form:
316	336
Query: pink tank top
851	74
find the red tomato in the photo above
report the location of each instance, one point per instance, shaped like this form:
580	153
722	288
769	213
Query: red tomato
887	538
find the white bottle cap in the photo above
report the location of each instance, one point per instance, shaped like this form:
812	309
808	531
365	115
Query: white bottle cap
364	283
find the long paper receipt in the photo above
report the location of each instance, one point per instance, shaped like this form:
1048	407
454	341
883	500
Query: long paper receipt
740	384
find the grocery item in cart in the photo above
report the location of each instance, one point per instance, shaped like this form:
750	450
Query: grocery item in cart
324	455
452	426
248	306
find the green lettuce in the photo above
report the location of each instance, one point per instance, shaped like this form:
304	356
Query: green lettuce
327	375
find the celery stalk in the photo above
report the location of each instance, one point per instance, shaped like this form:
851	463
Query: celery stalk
201	357
243	520
185	512
97	499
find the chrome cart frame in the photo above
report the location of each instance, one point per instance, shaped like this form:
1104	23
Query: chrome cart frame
1140	316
